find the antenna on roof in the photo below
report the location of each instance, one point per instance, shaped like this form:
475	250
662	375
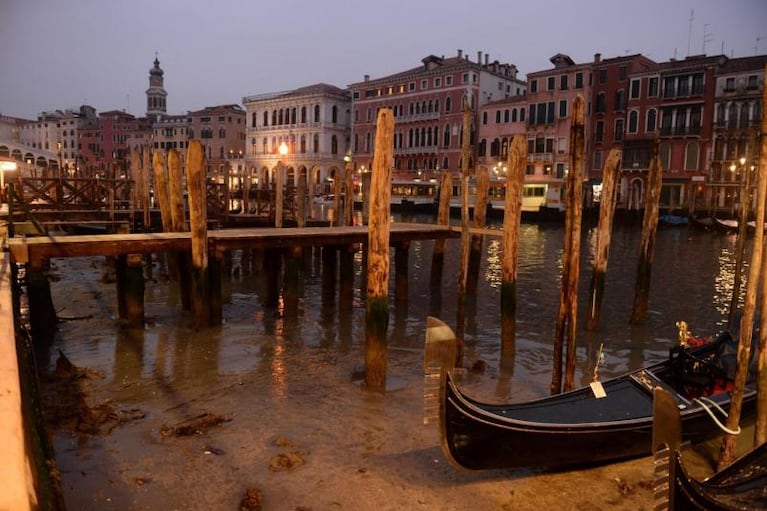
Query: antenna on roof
756	45
706	36
689	33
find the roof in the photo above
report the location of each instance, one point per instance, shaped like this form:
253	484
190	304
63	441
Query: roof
308	90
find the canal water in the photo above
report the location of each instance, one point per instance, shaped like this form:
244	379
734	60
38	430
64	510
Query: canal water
287	373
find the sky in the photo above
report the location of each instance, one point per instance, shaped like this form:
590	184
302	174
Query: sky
59	54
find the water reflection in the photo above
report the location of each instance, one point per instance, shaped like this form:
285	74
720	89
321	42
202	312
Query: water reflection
284	310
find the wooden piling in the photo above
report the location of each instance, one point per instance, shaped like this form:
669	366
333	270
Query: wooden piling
337	187
161	192
181	264
480	215
609	197
567	315
349	195
198	223
42	313
512	217
135	175
377	303
301	200
463	274
443	218
757	267
134	291
146	203
647	242
740	244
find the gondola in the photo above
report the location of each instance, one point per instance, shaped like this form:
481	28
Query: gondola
577	427
740	486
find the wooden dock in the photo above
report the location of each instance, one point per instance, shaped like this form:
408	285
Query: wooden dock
37	249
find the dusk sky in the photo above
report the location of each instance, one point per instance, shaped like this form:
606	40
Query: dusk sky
58	54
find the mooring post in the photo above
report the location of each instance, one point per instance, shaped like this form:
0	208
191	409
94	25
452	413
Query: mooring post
465	239
480	216
133	291
198	223
338	182
346	277
179	265
567	315
146	182
301	201
443	218
610	176
348	195
377	303
279	194
42	314
216	271
649	231
512	216
329	270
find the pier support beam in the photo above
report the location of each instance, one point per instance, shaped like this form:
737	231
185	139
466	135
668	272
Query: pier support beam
42	314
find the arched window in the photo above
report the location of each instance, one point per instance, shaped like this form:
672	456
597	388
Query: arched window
498	117
446	140
316	113
293	115
316	143
280	118
253	120
303	115
335	114
506	115
495	148
410	138
303	144
691	156
744	115
720	114
482	147
732	121
521	115
484	118
334	144
436	106
448	104
221	133
274	117
633	121
514	115
266	118
445	163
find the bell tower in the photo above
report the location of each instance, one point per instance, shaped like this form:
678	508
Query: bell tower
155	94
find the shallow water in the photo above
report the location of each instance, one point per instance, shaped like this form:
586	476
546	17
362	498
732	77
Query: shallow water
291	369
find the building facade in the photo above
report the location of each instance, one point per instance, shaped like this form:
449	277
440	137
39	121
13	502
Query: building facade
427	103
311	124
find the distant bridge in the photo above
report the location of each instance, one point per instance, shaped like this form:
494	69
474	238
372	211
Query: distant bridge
29	159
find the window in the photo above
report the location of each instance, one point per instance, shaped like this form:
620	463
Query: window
446	137
424	84
599	133
506	115
691	156
752	83
465	78
622	73
334	144
601	103
335	114
534	86
603	76
253	120
438	82
563	82
562	108
448	104
550	83
316	143
664	152
579	80
620	99
448	82
498	117
697	84
303	115
652	116
669	87
514	115
411	87
302	145
521	115
633	121
316	113
484	118
560	170
652	87
635	88
597	160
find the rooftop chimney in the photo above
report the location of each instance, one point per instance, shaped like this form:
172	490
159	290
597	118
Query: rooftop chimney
367	78
597	58
487	57
460	53
479	58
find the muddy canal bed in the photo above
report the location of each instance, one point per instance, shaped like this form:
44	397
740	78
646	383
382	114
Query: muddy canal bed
298	431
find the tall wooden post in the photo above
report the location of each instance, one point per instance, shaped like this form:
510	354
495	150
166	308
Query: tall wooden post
401	267
349	195
42	313
161	191
604	232
463	275
377	303
758	259
279	194
567	315
443	218
337	187
133	289
647	243
740	245
198	223
512	217
146	181
135	176
480	216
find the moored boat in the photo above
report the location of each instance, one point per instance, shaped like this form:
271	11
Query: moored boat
740	486
578	427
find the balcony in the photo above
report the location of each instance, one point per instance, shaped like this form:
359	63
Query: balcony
679	131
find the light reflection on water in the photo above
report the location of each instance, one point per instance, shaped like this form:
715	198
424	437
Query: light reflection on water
691	281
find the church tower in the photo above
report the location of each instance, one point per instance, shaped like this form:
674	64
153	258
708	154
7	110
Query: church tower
155	94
